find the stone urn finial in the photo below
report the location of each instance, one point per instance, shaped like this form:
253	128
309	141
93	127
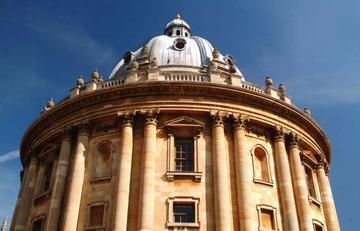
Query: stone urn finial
80	81
307	111
50	103
134	65
153	63
216	53
268	81
282	88
144	50
95	74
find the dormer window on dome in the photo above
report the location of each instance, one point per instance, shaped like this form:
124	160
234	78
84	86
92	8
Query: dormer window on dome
177	28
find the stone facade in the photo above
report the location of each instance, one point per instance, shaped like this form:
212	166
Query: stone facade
175	147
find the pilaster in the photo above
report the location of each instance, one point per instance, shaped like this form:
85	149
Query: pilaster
331	218
25	197
57	196
222	194
243	163
147	191
299	184
124	172
71	211
283	173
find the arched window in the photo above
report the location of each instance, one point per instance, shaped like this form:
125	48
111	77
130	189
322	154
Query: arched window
261	165
102	160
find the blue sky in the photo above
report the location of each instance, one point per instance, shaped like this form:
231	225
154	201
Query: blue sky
311	46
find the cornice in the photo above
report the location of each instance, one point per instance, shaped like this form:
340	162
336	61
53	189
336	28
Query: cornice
246	97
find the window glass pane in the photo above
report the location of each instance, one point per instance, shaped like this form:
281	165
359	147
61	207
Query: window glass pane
310	182
267	219
47	176
184	213
184	155
318	228
96	215
37	225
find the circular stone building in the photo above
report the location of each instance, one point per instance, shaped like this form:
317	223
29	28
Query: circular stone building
175	139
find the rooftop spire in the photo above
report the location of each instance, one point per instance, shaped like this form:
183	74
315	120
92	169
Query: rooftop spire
178	16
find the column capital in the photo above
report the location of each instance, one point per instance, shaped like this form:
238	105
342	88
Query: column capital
279	134
240	122
217	119
83	128
293	139
126	119
323	164
67	133
151	117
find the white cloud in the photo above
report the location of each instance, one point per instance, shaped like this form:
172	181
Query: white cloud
325	90
75	39
9	156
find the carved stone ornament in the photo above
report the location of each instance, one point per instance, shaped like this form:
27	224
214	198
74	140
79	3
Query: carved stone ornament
216	54
217	119
153	63
293	139
127	119
67	132
144	51
84	128
322	163
240	122
151	117
279	134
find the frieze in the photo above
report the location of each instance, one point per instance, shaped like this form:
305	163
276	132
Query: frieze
258	131
60	112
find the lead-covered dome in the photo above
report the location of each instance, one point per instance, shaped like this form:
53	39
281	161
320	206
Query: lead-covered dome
177	47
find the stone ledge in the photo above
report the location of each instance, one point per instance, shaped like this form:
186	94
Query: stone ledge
195	176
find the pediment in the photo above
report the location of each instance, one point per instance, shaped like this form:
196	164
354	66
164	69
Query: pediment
184	121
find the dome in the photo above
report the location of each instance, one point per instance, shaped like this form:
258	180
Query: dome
177	47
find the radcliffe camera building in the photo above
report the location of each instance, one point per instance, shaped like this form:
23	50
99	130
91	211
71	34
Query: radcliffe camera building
175	139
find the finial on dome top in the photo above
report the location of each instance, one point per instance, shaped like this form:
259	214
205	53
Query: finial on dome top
268	81
50	103
80	81
95	74
177	16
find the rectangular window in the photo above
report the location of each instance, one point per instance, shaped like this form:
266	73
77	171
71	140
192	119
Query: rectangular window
184	213
37	225
184	155
47	176
267	219
96	215
310	182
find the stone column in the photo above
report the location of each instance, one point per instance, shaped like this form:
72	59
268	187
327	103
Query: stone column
147	191
299	184
71	211
25	197
332	222
58	191
124	174
222	193
243	163
284	182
